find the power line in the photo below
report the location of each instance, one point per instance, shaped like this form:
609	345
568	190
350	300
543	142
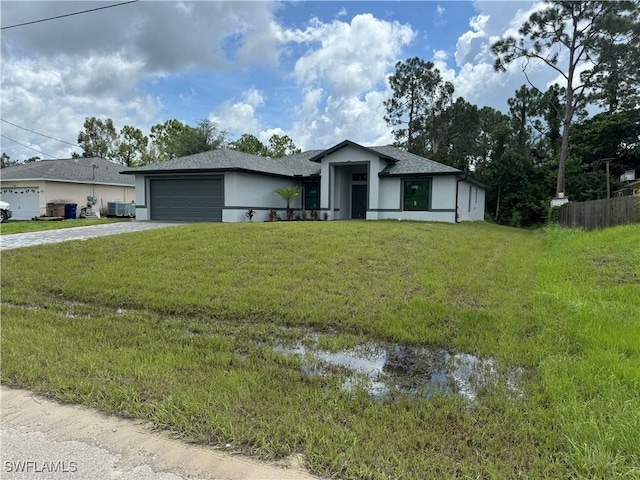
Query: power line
26	146
67	15
38	133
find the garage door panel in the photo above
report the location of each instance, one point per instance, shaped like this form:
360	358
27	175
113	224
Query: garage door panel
187	199
24	201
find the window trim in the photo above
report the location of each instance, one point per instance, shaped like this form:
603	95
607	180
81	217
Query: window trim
428	181
305	187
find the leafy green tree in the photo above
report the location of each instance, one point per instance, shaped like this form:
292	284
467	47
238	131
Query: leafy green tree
32	159
613	136
205	136
523	108
577	30
163	138
98	139
288	194
616	78
281	146
132	146
458	133
173	139
248	143
512	166
419	98
6	161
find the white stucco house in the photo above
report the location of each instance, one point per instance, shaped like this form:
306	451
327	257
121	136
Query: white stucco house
29	187
347	181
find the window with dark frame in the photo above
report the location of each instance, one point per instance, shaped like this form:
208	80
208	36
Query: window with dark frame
417	194
312	196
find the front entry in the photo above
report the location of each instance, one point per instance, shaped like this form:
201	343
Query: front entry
359	201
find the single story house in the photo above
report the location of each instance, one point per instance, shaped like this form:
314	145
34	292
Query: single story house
346	181
31	186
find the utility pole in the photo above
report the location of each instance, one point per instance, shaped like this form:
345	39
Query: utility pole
608	176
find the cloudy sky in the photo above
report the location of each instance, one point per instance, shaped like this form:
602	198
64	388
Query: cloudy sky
313	70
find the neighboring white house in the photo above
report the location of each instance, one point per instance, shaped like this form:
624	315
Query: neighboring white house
31	186
347	181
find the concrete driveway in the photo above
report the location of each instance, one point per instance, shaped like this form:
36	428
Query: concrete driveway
18	240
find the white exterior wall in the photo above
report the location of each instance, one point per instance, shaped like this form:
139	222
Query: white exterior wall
142	209
443	193
390	190
470	211
335	182
448	217
244	190
443	197
70	192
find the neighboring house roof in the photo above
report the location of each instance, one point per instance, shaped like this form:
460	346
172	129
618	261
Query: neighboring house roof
222	160
75	170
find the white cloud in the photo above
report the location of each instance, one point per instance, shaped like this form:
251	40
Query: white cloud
54	76
439	18
343	78
265	135
350	57
474	76
472	44
342	12
359	120
240	117
54	96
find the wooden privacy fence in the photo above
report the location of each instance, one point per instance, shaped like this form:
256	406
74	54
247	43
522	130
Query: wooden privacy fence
600	213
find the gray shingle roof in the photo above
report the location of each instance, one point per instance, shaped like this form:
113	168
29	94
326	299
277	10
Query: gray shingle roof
71	170
223	159
305	163
299	163
408	163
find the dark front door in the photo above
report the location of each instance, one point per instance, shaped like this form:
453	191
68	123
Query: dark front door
358	201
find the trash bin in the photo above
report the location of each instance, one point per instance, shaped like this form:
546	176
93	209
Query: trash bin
70	210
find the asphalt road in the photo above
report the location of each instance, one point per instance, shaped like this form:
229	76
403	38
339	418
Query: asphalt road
44	440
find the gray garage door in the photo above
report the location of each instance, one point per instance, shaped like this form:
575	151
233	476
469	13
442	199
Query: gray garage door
196	200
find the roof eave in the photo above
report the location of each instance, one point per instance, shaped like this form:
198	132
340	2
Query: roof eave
417	174
63	180
175	171
347	143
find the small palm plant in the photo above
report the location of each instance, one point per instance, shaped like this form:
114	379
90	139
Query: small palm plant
288	194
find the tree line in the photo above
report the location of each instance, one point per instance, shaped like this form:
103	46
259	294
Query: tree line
171	139
546	144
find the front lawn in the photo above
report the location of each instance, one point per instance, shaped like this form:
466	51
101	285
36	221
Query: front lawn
183	327
20	226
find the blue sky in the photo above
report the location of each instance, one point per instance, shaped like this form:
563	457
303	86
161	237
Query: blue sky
316	71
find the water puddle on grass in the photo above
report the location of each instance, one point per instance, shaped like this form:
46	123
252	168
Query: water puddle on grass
386	370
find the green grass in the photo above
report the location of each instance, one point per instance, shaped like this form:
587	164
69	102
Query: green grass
177	326
15	226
